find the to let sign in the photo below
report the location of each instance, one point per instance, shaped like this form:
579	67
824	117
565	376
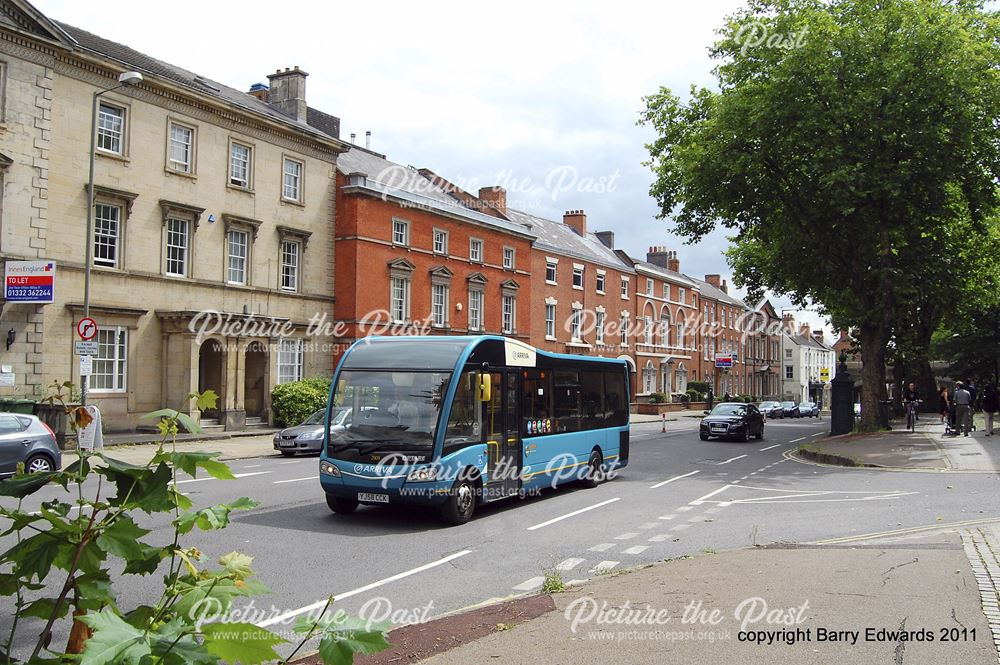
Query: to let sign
30	281
723	361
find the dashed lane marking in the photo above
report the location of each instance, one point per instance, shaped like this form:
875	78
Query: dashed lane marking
659	538
648	525
602	547
573	514
769	447
604	566
732	459
801	438
235	475
568	564
670	480
684	509
295	480
666	517
679	527
637	549
698	502
627	536
529	585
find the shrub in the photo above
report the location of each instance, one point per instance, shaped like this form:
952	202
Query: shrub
294	402
698	386
693	395
744	398
658	398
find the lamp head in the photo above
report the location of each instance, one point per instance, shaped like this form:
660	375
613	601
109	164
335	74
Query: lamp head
129	78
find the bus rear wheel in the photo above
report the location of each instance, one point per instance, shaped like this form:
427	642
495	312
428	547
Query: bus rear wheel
340	505
595	470
460	504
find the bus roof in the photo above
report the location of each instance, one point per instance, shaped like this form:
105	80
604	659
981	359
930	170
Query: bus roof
443	352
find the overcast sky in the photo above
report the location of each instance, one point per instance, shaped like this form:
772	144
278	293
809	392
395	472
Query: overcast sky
537	97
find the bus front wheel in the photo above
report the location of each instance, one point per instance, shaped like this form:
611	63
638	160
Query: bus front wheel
460	504
595	470
340	505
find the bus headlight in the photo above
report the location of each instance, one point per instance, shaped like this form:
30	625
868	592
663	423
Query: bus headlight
424	474
329	469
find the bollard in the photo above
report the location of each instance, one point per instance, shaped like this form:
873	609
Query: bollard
663	427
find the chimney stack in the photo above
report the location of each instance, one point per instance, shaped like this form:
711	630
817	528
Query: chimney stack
258	90
724	287
287	92
368	140
818	336
714	280
607	238
494	197
658	255
805	330
673	263
353	136
576	220
788	323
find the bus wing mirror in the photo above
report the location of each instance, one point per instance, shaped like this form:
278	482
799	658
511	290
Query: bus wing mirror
485	391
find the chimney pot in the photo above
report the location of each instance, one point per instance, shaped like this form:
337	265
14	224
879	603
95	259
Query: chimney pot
287	92
494	198
576	220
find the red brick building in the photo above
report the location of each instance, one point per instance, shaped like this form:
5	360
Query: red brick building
722	331
666	340
412	258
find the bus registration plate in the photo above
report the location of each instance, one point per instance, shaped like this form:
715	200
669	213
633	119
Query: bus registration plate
367	497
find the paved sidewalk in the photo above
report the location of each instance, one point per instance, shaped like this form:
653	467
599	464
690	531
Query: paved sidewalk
793	597
927	448
241	447
636	418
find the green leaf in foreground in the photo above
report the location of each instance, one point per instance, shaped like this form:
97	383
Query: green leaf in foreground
342	636
114	642
240	642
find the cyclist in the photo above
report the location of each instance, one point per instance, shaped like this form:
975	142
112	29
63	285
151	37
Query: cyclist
911	399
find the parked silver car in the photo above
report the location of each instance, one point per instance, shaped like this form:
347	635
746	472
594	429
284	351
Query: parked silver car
308	437
27	439
808	410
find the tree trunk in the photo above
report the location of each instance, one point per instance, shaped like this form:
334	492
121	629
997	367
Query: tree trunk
872	341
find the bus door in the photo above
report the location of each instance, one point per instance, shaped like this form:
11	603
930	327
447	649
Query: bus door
503	441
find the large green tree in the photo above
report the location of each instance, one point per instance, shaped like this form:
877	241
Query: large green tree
852	148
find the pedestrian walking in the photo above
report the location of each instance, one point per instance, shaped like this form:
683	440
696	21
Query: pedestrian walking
991	404
963	409
973	402
944	403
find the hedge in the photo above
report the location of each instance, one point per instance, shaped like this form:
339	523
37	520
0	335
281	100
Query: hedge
294	402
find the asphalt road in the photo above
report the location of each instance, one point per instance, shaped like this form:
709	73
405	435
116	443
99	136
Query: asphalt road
678	496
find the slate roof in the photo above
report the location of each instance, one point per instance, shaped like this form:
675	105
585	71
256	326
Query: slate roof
145	64
709	291
808	340
558	238
324	122
663	272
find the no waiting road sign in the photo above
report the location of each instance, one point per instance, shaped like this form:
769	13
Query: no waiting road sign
86	328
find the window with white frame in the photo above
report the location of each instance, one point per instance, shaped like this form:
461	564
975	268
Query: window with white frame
238	251
664	329
681	294
550	272
666	291
476	250
550	320
648	330
625	288
789	372
439	305
108	372
649	287
240	164
440	241
111	129
599	327
400	232
180	155
624	331
291	254
577	277
648	377
290	357
475	309
788	354
399	298
509	304
508	258
291	187
679	335
574	325
600	282
107	235
178	246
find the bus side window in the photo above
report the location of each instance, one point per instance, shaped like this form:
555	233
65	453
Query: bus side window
536	401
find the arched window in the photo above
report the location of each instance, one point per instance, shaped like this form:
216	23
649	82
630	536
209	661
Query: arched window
682	378
665	326
649	377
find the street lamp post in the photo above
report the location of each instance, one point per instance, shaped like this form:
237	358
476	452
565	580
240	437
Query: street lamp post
124	79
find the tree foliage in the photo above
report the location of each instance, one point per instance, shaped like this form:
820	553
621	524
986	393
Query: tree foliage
854	166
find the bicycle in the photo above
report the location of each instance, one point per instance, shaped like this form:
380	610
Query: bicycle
911	413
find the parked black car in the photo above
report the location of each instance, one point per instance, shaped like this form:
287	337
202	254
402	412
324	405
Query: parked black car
791	409
772	409
732	419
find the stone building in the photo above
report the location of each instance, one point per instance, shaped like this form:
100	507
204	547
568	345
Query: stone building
207	199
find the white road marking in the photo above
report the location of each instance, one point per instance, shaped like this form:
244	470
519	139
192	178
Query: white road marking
236	475
528	585
698	502
697	518
568	564
684	509
648	525
732	459
575	582
347	594
712	511
769	447
252	466
661	484
801	438
679	527
627	536
667	517
604	566
817	434
294	461
659	538
602	547
573	514
295	480
638	549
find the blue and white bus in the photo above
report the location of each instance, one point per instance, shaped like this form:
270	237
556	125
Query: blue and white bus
459	421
